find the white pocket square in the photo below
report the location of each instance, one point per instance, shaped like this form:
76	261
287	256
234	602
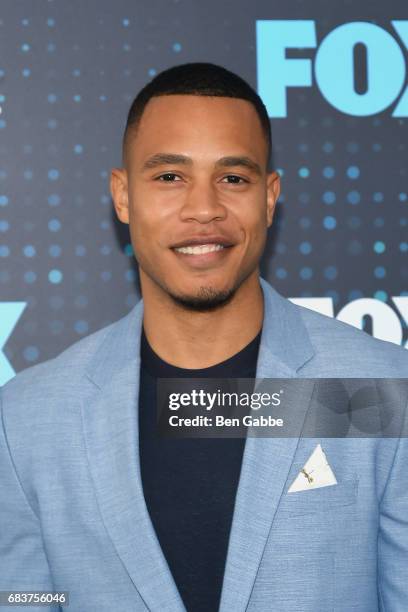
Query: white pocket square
315	473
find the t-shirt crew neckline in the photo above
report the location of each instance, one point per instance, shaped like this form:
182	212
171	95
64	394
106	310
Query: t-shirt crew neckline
236	365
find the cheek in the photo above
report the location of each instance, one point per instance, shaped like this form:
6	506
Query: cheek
254	224
256	235
148	218
150	229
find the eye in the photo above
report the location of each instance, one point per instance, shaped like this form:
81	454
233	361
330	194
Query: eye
168	177
233	179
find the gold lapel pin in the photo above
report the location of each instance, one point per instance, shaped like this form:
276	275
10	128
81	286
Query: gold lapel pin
306	475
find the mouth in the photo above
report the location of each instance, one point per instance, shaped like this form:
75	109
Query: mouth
200	249
200	255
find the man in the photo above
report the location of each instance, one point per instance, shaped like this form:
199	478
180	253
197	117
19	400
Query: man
95	504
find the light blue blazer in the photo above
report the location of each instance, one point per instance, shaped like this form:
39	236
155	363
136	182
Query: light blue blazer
73	516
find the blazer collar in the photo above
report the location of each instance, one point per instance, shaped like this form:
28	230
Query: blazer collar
285	343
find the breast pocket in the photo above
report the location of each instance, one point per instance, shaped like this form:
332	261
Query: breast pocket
323	499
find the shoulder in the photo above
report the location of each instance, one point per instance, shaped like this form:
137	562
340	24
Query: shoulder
337	343
56	378
330	348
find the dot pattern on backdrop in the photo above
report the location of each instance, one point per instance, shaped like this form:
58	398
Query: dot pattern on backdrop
341	227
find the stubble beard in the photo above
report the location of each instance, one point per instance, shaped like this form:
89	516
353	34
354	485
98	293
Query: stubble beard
207	299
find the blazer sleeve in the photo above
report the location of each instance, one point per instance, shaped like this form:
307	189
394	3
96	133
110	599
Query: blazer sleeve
393	535
23	562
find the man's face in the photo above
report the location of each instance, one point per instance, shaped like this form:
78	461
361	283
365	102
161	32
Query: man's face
196	175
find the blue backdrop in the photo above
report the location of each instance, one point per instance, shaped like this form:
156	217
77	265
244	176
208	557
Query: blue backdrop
333	76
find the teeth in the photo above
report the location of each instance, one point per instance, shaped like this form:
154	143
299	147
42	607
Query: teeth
199	249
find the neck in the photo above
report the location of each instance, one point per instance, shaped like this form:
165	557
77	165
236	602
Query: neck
193	340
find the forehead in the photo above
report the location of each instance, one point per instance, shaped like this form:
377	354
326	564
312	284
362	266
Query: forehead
188	124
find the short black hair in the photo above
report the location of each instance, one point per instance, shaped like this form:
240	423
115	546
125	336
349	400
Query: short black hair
197	79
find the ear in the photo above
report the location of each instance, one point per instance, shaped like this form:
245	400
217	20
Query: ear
119	192
272	195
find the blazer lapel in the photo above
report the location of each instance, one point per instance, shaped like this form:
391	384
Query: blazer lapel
110	422
285	346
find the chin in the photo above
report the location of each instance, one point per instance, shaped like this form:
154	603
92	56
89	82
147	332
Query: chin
205	298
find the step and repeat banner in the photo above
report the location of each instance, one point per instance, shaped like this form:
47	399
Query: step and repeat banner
333	76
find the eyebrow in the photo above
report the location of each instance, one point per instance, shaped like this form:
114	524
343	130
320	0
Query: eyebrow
231	161
161	159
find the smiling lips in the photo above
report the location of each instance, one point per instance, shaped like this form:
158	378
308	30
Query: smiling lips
202	251
199	249
202	244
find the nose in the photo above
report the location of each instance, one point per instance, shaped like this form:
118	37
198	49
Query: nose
202	204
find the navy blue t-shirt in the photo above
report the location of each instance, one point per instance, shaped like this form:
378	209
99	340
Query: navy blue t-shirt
190	484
